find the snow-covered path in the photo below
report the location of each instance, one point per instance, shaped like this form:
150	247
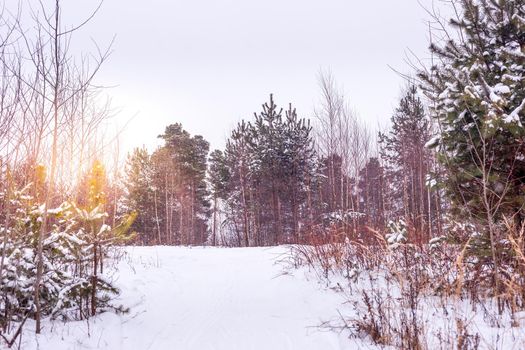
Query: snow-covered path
205	299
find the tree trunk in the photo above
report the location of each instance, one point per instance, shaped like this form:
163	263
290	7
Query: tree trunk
214	228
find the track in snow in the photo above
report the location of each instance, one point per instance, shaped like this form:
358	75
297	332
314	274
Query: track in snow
205	299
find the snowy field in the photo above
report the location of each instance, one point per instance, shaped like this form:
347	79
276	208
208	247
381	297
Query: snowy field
206	299
247	299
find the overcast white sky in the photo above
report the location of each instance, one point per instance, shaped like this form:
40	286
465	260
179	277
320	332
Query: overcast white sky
210	63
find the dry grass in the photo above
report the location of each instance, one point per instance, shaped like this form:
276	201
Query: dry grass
396	292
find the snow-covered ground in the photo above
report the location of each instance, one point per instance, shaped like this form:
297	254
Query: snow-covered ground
206	299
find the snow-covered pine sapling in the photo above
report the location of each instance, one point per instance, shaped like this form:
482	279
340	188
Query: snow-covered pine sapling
67	287
76	235
19	278
95	231
436	242
398	234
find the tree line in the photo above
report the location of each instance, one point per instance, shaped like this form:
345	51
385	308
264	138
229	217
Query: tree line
283	178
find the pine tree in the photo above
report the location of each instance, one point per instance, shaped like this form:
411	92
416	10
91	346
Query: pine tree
189	156
166	207
240	211
218	177
371	194
272	168
72	284
139	195
300	168
335	184
407	163
478	96
267	150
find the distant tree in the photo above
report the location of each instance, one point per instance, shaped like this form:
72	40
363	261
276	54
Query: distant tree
189	156
238	158
343	143
300	165
139	195
407	163
271	165
168	190
371	194
165	184
218	177
266	143
335	189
